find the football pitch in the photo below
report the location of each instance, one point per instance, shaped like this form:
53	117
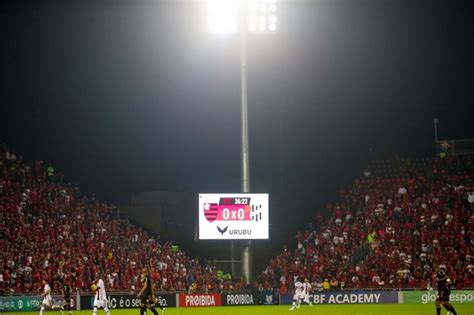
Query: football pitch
351	309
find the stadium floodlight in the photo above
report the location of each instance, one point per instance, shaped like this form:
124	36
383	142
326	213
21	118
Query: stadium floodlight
262	16
223	16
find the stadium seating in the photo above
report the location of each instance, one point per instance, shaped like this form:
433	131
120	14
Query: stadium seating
391	229
48	229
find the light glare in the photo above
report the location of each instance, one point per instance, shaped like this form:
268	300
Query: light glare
223	16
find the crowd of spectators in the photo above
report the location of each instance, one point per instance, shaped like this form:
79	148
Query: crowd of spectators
391	229
49	230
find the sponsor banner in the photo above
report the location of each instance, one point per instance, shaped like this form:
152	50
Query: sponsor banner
428	297
115	301
350	297
20	303
235	299
241	299
233	216
25	303
269	298
197	300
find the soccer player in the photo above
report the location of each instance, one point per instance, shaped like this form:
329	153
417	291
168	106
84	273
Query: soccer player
442	282
306	288
100	298
66	290
147	294
298	296
47	299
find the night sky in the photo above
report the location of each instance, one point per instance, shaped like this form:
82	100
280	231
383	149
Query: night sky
131	96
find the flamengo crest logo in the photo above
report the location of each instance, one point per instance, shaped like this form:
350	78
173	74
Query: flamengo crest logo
210	211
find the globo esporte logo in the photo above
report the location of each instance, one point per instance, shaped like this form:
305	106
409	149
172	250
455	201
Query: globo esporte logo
459	297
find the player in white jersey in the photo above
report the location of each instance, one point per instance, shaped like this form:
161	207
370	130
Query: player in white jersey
298	296
100	298
47	299
306	289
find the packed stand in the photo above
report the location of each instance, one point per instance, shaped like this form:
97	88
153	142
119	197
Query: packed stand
48	230
395	225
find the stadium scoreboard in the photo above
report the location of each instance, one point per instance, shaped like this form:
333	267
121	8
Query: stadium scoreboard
233	216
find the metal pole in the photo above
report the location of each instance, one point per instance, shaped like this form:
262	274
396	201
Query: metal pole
244	111
232	258
246	250
435	121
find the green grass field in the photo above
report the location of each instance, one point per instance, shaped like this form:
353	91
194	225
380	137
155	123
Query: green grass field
386	309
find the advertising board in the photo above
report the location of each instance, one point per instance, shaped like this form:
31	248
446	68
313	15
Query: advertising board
349	297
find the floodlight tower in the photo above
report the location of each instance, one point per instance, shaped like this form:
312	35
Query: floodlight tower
258	17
